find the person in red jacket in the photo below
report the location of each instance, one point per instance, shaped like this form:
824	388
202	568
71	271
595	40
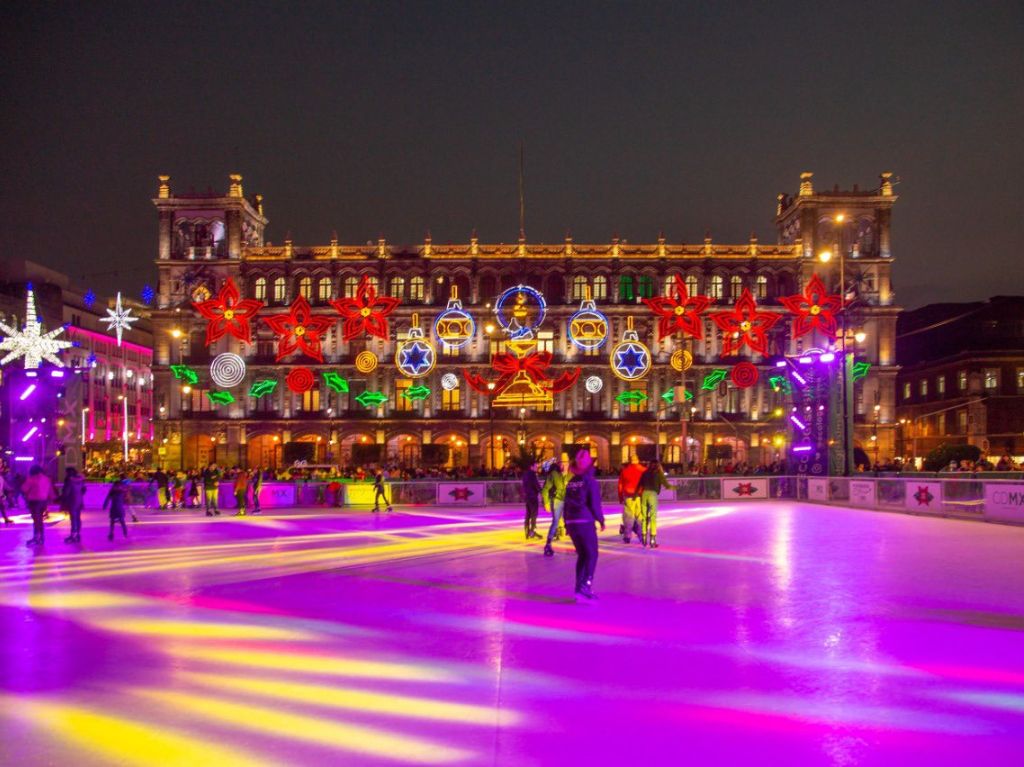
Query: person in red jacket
629	497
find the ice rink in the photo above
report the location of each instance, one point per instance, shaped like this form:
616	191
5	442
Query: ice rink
758	634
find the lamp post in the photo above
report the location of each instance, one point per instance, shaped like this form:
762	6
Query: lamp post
490	415
177	335
844	367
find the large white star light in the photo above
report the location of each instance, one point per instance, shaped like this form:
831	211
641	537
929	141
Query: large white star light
31	342
119	319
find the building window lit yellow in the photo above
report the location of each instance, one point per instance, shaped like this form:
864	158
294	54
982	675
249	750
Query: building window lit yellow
579	287
260	289
306	288
600	287
323	290
311	400
451	399
397	287
402	404
416	289
350	285
279	290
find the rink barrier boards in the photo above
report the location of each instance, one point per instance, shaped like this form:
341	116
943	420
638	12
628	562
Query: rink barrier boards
993	500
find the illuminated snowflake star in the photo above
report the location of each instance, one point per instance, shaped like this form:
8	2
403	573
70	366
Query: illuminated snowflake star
119	319
31	342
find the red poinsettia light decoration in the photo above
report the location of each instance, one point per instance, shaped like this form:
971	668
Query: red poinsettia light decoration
814	309
367	312
681	313
228	314
299	330
745	325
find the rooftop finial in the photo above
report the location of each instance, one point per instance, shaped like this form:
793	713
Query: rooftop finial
806	187
164	190
235	190
886	187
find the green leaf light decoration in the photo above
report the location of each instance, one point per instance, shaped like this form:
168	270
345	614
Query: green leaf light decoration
335	382
670	396
220	397
860	370
185	373
712	379
416	393
263	387
631	397
371	398
781	383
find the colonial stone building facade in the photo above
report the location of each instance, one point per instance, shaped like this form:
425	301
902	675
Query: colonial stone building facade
203	240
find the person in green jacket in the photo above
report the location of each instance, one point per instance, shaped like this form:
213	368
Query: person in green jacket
553	496
211	486
651	483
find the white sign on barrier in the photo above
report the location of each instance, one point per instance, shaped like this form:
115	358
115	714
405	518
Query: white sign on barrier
817	490
924	496
862	492
745	488
461	493
1004	502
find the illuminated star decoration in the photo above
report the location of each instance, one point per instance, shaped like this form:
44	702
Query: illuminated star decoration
299	330
814	309
745	326
681	313
923	496
119	319
366	312
416	358
89	298
631	360
228	314
148	294
31	342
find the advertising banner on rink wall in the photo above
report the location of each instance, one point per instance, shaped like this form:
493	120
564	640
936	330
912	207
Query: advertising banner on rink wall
1004	502
745	489
817	490
924	497
461	493
862	492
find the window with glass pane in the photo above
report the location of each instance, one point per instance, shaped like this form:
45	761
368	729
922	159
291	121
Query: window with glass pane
1020	379
323	290
716	287
637	407
923	387
906	390
626	288
991	378
398	287
940	385
260	289
306	287
402	404
416	289
350	285
761	284
645	286
311	400
962	420
600	287
669	288
961	379
579	287
692	284
735	286
374	283
451	399
546	341
279	290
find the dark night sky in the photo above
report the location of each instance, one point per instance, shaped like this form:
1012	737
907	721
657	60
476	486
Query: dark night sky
398	118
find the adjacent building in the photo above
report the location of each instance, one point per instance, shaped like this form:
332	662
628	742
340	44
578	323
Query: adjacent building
962	380
205	240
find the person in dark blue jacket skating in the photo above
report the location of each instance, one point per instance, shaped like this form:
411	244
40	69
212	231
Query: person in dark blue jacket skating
116	501
72	500
531	496
582	511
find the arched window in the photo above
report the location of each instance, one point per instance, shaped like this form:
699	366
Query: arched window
260	289
716	291
762	286
323	290
351	285
416	289
692	285
600	287
579	287
306	287
626	288
461	283
735	286
397	287
374	283
670	285
554	288
488	289
645	286
280	292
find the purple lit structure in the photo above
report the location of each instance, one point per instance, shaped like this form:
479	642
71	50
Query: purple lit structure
815	417
38	419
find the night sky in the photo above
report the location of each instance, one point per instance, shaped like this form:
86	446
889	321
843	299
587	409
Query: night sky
398	118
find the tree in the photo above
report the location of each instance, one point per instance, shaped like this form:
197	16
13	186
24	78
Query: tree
940	457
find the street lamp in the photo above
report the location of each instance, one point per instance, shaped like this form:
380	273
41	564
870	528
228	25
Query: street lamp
490	414
826	256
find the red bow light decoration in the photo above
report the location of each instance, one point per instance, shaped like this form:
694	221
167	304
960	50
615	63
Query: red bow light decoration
299	330
534	365
745	325
228	314
681	313
814	309
366	313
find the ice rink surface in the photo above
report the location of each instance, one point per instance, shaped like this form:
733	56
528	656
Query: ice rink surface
758	634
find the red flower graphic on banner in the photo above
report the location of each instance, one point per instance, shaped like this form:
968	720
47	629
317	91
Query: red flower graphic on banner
228	313
366	313
745	325
681	313
814	309
299	330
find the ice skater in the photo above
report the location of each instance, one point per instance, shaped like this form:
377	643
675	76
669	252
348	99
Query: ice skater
379	492
553	496
582	512
3	500
256	483
211	486
72	500
38	491
629	497
652	482
241	490
531	495
115	500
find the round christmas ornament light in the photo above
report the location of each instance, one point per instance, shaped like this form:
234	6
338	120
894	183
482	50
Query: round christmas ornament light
227	370
454	326
593	384
744	375
415	357
300	380
520	310
366	362
449	381
630	360
588	327
681	360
